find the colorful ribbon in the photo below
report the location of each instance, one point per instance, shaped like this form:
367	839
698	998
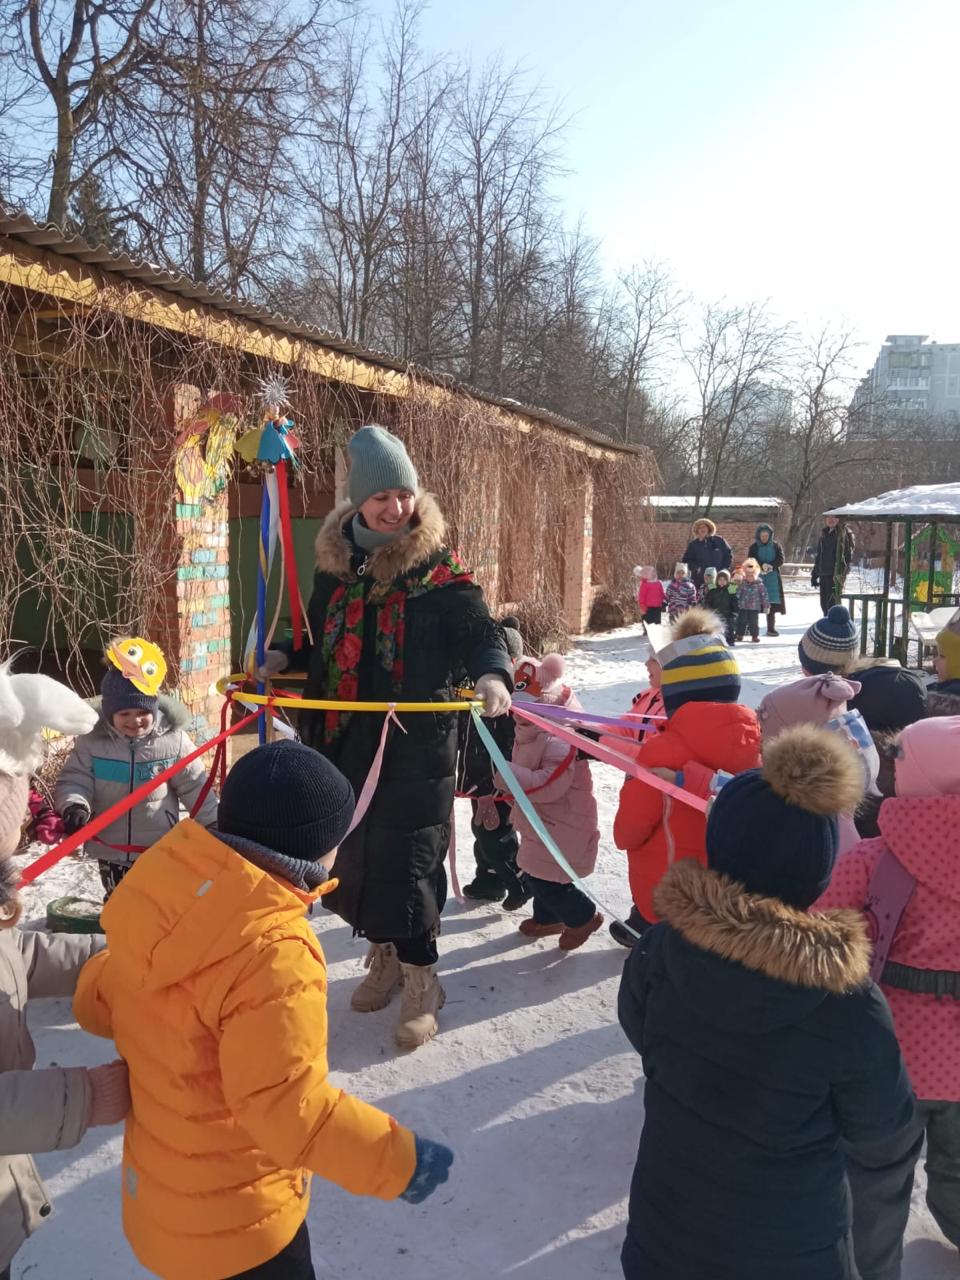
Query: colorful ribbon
289	557
373	777
103	820
608	756
550	712
520	799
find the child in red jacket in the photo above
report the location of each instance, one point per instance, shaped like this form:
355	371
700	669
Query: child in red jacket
707	730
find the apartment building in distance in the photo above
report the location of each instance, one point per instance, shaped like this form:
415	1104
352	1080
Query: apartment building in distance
913	376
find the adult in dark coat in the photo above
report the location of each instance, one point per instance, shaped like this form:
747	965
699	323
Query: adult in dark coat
769	555
396	617
706	549
832	561
772	1068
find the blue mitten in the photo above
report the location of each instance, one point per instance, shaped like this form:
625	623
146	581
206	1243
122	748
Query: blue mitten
433	1168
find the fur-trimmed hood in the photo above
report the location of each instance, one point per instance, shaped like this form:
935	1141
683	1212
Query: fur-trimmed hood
818	955
427	537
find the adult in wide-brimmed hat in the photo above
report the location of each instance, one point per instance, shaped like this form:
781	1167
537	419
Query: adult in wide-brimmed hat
395	616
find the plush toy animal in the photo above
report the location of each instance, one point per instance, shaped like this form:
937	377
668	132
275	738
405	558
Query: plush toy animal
28	705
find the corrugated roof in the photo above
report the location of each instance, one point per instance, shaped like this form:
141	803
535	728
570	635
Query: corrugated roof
17	225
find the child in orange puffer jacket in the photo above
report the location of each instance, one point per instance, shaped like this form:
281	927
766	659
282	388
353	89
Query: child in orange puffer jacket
707	731
214	988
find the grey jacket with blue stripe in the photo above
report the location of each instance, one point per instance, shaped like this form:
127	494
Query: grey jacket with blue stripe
104	767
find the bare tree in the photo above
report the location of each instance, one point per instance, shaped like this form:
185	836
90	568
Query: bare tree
650	304
67	59
736	362
504	144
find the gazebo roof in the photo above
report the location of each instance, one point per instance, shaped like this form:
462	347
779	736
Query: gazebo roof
918	502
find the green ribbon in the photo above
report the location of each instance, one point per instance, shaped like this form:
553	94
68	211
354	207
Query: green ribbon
502	766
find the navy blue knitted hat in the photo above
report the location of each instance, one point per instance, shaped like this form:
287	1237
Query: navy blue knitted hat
774	830
288	797
830	644
117	693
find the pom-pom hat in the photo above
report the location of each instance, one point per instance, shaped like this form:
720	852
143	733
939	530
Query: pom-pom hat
774	829
830	644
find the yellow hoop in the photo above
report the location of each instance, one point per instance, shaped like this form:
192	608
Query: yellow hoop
325	704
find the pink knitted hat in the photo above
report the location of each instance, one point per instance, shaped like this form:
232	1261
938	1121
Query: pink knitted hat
928	758
813	700
14	791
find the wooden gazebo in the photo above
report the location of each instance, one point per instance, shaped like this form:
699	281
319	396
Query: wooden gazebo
927	512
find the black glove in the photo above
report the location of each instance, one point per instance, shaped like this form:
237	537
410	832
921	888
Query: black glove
74	817
814	579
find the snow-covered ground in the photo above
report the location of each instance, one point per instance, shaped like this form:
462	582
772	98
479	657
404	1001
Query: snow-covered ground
531	1080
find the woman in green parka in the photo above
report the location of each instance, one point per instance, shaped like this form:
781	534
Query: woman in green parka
769	554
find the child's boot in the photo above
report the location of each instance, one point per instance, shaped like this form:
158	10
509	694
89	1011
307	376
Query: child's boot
540	929
382	981
484	887
570	939
423	998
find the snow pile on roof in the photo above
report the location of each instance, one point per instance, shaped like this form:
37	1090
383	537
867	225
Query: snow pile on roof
919	501
691	502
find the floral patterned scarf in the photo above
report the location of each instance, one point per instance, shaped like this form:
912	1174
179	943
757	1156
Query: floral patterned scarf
342	645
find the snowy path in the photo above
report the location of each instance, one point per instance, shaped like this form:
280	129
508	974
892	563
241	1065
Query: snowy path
531	1081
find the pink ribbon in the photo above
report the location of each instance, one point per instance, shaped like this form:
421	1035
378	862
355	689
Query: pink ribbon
627	721
452	856
608	756
373	777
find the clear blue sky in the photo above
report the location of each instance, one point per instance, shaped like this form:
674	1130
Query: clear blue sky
801	151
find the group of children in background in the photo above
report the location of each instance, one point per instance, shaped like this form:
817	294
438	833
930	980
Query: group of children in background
738	598
756	989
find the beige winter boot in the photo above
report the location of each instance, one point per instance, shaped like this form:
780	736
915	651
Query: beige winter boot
382	981
423	998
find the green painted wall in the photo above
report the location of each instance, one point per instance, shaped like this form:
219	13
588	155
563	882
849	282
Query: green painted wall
244	541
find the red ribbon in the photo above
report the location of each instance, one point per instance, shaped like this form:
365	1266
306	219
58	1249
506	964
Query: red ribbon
103	820
289	557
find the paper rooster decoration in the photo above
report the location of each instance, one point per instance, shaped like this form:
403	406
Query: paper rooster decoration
141	661
205	446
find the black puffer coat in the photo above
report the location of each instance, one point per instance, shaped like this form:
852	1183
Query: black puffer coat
704	553
765	1048
392	881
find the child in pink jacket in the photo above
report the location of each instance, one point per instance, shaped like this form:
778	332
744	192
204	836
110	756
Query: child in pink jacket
908	882
651	596
560	788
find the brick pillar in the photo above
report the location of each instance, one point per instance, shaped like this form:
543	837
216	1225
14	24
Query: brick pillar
191	622
578	558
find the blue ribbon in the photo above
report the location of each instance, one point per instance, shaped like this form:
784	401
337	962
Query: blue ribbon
502	766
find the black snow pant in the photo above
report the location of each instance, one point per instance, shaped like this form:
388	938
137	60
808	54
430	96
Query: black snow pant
559	903
881	1188
748	620
828	597
495	852
291	1263
111	873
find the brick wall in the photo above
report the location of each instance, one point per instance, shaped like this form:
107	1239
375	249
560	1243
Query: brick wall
191	618
578	559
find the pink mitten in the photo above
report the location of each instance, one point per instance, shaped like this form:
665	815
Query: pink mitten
487	816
